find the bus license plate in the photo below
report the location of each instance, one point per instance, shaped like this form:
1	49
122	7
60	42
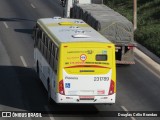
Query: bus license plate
86	97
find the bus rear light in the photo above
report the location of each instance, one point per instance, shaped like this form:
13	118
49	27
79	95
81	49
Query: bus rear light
65	46
61	87
109	46
111	89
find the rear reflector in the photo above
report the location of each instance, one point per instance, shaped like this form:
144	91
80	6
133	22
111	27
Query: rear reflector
61	88
111	89
130	47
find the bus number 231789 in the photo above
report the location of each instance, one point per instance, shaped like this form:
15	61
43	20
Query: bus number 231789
101	78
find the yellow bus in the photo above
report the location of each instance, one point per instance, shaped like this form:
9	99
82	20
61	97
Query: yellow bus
75	63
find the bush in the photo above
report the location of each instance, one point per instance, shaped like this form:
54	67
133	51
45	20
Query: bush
148	31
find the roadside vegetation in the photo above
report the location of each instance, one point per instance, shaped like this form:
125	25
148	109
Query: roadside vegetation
148	28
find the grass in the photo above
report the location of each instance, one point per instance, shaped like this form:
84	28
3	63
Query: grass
148	24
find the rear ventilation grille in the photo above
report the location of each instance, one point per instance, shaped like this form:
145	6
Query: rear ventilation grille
80	36
87	71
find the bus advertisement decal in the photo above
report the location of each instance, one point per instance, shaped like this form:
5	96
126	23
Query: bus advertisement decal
67	85
100	92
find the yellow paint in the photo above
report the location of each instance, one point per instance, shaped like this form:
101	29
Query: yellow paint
70	56
67	24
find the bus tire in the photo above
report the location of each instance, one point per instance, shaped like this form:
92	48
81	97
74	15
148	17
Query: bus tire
49	92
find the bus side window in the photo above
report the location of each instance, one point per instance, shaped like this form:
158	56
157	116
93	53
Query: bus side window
53	50
35	37
52	55
34	32
46	44
49	50
39	34
57	54
43	44
56	60
39	38
43	38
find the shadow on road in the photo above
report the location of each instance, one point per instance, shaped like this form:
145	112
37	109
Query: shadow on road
16	20
28	31
20	89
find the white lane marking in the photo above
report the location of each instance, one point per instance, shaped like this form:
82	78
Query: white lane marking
5	24
32	6
125	109
23	61
157	75
47	109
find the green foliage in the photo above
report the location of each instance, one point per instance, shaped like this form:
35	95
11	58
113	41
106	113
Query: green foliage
148	31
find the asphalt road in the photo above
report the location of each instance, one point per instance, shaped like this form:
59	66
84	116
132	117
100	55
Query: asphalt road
20	90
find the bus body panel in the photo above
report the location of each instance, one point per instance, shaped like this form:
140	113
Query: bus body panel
46	72
90	100
86	84
76	71
84	76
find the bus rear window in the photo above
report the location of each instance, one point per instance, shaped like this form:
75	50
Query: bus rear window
101	57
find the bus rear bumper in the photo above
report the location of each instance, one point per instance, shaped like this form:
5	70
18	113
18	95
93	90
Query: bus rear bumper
86	99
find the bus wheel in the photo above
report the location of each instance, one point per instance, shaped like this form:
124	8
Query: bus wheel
49	93
37	69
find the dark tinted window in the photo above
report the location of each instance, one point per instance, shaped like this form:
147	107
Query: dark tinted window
101	57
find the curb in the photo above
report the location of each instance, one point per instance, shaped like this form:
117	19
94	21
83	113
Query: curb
148	56
148	53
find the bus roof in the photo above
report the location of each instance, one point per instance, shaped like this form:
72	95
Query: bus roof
70	30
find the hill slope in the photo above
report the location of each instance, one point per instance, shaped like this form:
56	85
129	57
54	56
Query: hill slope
148	29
